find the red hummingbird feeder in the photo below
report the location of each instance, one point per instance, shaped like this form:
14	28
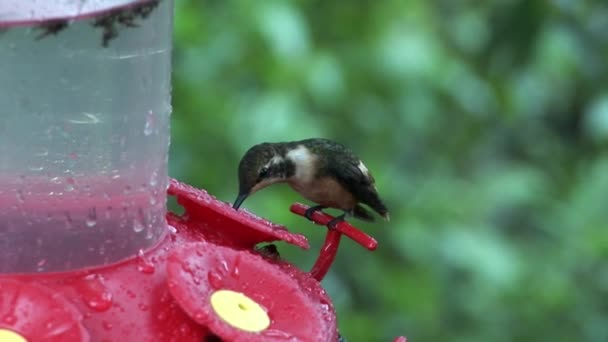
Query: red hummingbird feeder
88	251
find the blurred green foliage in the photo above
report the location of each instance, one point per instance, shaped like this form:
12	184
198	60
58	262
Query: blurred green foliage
484	123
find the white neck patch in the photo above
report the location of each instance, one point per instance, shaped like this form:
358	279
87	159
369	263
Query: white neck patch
305	163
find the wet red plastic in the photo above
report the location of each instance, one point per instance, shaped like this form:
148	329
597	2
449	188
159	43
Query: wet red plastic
39	314
152	296
343	227
239	228
328	252
327	255
196	270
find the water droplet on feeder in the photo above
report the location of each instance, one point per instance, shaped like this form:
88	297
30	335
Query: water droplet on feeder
101	303
144	265
94	293
43	153
9	319
137	226
40	266
215	280
274	333
106	325
20	196
91	220
154	179
199	316
149	127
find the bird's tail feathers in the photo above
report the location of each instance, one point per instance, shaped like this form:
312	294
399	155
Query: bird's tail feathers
386	216
362	213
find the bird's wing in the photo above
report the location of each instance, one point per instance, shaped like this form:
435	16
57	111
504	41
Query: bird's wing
355	177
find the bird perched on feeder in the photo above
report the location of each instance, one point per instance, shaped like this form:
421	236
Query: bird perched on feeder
321	170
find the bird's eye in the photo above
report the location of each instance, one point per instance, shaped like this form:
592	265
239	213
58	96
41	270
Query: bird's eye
263	172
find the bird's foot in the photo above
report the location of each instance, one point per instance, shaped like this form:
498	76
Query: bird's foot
308	213
332	224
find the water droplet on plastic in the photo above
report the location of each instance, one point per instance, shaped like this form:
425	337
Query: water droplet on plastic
199	316
9	319
154	179
137	226
149	127
215	280
139	223
20	196
42	153
94	293
144	265
56	180
184	329
106	325
103	303
91	220
274	333
40	266
172	230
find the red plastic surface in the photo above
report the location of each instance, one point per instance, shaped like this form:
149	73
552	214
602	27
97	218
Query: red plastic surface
39	314
197	270
328	252
343	227
239	228
162	294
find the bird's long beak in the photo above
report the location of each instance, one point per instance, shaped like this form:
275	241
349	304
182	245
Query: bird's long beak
239	200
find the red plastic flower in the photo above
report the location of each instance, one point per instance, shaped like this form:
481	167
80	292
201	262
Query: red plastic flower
30	312
221	224
240	296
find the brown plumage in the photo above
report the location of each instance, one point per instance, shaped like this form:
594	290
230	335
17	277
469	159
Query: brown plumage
321	170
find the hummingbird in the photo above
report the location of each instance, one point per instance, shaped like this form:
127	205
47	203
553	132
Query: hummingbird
321	170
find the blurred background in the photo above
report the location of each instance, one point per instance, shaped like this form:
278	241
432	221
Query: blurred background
485	125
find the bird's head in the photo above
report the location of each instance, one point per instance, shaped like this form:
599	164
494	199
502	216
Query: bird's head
261	166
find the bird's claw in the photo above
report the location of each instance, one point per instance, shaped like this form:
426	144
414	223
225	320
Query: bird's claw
308	213
334	222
